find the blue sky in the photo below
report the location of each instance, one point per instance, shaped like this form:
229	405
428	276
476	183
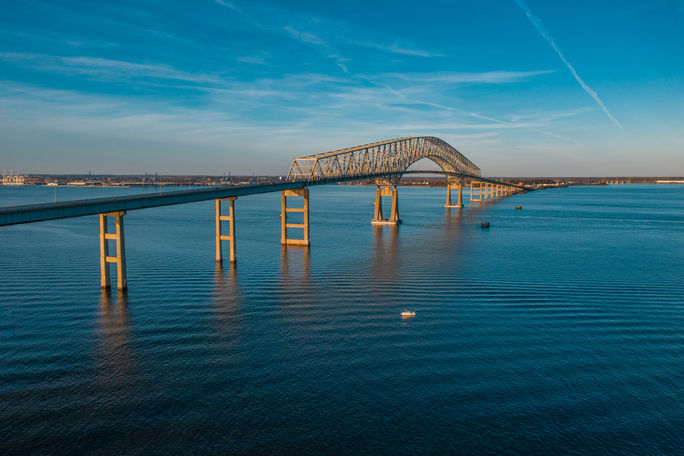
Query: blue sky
229	86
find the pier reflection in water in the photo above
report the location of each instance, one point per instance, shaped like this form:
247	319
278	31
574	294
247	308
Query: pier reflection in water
295	264
297	297
386	253
228	307
115	349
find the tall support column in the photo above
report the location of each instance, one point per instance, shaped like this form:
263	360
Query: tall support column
377	213
394	216
284	240
104	253
378	217
459	202
120	258
121	282
230	218
475	191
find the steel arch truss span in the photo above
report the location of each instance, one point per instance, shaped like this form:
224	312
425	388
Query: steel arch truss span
386	160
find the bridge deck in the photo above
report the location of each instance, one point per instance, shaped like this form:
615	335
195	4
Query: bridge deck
78	208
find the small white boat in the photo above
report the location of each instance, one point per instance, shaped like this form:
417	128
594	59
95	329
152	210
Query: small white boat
408	314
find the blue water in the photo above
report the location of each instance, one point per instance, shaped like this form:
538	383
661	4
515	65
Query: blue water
559	330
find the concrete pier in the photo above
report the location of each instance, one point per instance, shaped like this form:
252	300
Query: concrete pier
476	192
284	240
230	237
378	216
459	202
120	258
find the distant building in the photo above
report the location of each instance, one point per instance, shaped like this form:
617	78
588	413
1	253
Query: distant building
13	179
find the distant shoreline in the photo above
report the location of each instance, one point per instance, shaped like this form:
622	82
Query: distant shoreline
415	180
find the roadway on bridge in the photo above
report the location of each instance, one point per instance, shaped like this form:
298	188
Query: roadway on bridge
79	208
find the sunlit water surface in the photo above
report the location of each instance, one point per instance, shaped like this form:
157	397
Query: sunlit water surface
559	330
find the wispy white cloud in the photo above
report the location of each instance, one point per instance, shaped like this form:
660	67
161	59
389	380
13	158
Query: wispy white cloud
548	116
397	49
315	40
320	99
253	21
305	37
102	68
487	77
545	34
548	148
463	125
483	117
230	5
554	135
533	122
331	35
252	59
274	118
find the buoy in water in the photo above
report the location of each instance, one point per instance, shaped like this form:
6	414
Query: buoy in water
484	225
518	207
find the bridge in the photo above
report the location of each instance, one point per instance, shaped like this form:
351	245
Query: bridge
383	162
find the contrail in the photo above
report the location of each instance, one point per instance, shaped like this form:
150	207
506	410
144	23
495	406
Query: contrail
545	34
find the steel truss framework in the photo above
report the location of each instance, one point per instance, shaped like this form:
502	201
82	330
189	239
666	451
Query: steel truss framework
383	161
